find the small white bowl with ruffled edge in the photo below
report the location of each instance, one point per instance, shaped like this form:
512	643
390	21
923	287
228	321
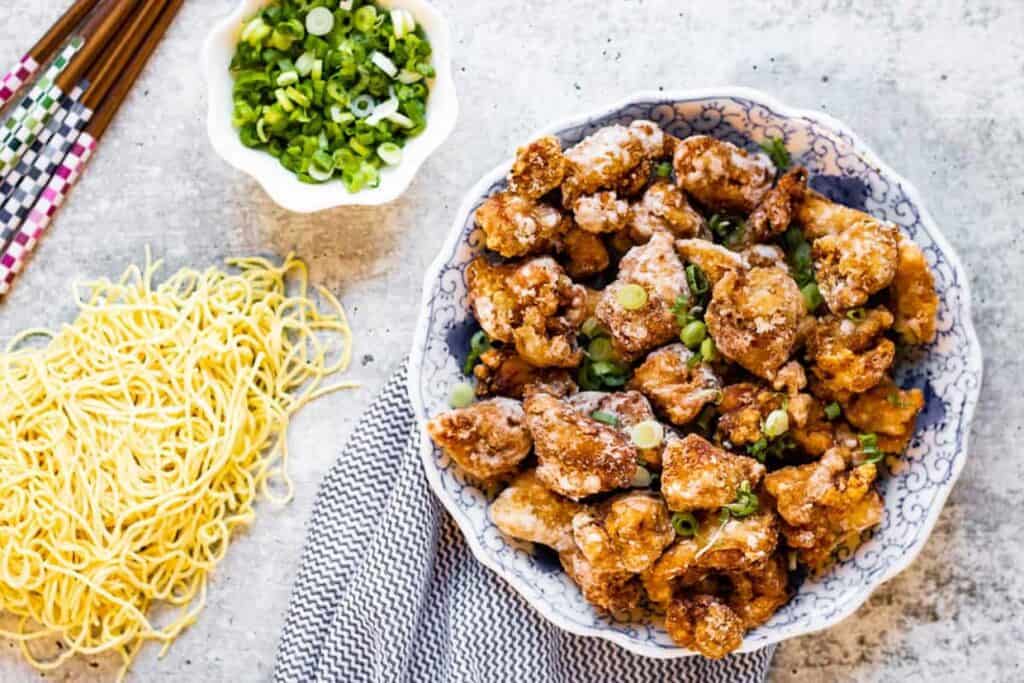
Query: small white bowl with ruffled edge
949	371
281	184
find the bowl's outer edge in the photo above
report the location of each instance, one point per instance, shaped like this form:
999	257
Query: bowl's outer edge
432	274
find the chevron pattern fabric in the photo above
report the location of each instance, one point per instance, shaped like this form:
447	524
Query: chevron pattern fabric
388	591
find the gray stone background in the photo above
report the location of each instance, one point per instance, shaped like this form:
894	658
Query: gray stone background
935	86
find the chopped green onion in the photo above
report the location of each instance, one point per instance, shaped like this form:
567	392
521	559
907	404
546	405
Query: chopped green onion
606	418
685	524
319	175
856	315
364	19
776	424
462	395
812	296
832	410
647	434
406	77
600	349
318	71
478	344
382	62
296	97
403	22
869	447
708	350
663	170
591	328
255	31
746	502
361	106
288	78
697	280
283	100
390	153
631	297
693	334
775	148
319	21
304	64
642	478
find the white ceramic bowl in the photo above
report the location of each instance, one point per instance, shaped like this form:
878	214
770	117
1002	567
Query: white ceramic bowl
948	371
280	183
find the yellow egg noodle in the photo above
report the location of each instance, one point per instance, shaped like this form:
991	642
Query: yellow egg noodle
135	441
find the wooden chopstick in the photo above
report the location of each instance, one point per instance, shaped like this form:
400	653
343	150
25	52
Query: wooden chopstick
96	33
44	50
16	252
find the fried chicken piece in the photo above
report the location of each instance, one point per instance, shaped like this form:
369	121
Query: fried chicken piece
652	138
625	533
629	408
765	256
632	184
759	592
487	439
913	299
503	372
538	169
825	505
811	431
600	212
677	389
676	566
818	215
655	267
774	213
790	378
493	303
527	510
515	225
610	590
720	175
586	254
853	264
736	544
848	355
887	411
577	456
696	475
664	207
754	318
552	311
742	411
714	259
601	161
705	624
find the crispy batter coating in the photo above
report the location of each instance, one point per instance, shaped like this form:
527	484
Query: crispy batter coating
600	212
913	299
601	161
765	256
759	592
737	544
578	456
851	356
720	175
656	268
539	168
853	264
698	476
529	511
625	533
742	411
818	215
811	429
503	372
552	312
774	213
825	505
494	305
610	590
676	566
664	207
754	318
585	253
515	225
678	390
790	378
705	624
487	439
629	408
714	259
652	138
887	411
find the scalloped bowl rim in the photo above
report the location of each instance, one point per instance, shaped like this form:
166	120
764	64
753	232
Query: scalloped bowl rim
667	96
281	184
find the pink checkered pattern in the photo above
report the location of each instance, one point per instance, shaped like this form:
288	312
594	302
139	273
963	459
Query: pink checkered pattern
14	256
17	77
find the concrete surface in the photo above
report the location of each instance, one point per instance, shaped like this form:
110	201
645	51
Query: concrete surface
935	86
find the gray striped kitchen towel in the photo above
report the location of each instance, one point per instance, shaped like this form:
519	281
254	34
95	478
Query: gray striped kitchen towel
389	592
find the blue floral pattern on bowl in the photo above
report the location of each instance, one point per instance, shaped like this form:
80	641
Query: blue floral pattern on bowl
949	371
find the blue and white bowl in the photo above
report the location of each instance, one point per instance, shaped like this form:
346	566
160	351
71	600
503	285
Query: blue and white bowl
949	371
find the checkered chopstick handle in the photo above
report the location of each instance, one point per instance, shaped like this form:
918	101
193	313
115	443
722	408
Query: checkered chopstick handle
39	218
17	77
55	126
22	197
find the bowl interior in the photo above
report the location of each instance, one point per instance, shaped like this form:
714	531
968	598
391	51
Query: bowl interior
280	183
949	372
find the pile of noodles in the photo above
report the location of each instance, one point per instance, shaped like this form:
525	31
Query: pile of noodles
135	441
